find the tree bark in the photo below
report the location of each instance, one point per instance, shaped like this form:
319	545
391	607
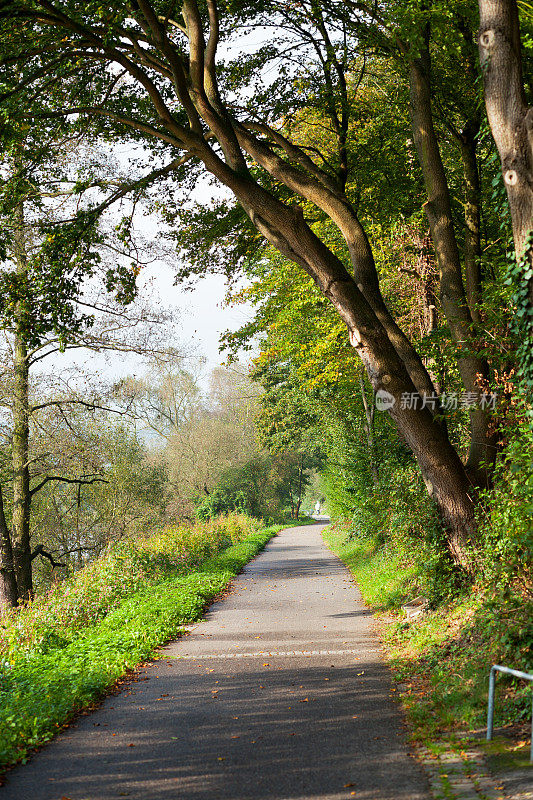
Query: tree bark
472	368
333	202
472	221
20	445
8	583
510	118
370	410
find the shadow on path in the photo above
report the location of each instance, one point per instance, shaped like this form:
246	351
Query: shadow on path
201	725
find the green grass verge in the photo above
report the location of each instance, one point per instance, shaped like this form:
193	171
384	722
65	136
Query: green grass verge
40	691
384	577
443	658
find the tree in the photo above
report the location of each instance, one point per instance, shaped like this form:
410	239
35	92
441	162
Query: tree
266	486
48	306
152	73
198	434
74	522
511	121
316	407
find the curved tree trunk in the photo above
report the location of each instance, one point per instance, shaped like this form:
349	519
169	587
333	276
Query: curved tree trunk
442	469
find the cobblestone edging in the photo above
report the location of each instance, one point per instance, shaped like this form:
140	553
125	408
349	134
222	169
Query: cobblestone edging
463	775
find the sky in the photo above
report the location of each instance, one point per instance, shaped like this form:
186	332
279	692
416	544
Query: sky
201	317
202	312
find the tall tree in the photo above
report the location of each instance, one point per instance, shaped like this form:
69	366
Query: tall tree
51	254
152	71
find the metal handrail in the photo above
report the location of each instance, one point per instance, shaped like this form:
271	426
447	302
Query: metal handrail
516	673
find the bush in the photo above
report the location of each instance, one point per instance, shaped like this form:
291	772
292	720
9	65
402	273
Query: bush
221	501
128	566
505	551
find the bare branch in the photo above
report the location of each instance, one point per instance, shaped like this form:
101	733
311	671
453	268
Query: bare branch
61	479
40	551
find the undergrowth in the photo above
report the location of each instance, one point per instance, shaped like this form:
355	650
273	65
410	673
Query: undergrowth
65	649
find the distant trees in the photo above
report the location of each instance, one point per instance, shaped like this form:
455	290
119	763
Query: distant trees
216	457
267	485
198	436
74	522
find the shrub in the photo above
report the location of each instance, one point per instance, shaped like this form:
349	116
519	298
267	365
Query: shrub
126	567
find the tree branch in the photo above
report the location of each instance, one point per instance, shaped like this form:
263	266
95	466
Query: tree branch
78	481
40	551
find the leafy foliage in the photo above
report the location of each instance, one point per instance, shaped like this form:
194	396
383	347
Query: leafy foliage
443	657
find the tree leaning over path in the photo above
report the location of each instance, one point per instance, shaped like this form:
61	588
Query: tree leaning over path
150	71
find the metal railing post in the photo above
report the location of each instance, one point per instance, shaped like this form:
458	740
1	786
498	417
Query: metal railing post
490	711
492	686
531	750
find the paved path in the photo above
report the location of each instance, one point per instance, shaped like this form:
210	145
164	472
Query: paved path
280	694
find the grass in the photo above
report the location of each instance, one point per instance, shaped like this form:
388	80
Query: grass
385	577
66	649
443	657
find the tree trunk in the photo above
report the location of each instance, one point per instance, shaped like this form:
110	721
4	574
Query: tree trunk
21	477
510	118
472	368
441	467
283	225
300	483
335	204
472	220
21	480
8	583
370	410
292	502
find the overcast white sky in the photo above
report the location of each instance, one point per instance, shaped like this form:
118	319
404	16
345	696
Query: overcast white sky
202	312
201	317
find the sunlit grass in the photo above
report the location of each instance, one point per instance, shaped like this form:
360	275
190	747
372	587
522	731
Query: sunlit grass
384	576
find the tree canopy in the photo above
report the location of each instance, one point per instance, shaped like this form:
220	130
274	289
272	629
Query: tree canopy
305	112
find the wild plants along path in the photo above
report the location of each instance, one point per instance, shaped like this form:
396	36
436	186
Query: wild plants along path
280	694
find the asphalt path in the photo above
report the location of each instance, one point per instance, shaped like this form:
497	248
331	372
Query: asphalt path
279	694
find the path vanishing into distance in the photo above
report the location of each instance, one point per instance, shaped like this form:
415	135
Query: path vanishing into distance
280	694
